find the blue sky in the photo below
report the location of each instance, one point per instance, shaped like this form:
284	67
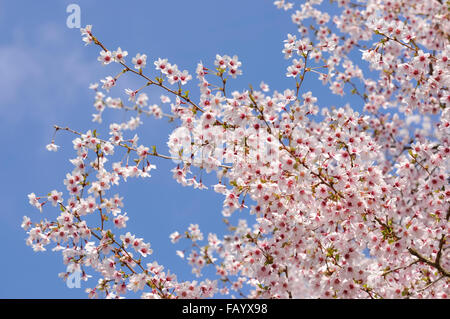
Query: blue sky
45	73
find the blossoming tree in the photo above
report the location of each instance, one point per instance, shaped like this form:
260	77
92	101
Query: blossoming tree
347	204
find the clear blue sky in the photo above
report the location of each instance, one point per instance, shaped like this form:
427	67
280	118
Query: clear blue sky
45	72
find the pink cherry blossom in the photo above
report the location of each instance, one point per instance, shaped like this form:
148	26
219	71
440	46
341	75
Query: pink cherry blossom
139	61
347	200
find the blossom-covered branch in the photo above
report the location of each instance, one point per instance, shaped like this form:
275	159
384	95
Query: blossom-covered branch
349	201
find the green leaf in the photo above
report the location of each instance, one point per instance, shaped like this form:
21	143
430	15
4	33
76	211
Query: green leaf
269	260
285	244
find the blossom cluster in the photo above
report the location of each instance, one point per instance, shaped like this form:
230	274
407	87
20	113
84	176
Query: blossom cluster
348	202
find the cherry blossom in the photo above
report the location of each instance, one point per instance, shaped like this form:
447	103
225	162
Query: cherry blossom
332	201
52	147
105	57
119	55
139	61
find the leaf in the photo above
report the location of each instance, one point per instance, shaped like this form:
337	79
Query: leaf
269	260
285	244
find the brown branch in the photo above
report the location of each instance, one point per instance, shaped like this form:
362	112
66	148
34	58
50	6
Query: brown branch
150	81
435	264
129	148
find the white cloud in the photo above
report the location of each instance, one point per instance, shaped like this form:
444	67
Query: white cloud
40	67
17	67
